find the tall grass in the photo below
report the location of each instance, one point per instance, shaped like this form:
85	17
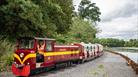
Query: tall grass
6	51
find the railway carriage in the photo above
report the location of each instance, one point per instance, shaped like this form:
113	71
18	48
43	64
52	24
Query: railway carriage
85	51
89	51
100	49
92	50
96	50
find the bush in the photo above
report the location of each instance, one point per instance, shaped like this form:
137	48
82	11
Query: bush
6	51
6	47
6	62
9	60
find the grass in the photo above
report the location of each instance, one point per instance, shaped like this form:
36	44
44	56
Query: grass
99	71
6	57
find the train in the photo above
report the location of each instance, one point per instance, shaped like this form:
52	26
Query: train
33	53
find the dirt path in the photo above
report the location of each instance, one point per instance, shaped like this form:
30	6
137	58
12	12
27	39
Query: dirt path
109	65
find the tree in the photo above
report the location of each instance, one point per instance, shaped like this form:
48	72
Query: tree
81	31
67	8
131	43
88	10
20	17
57	12
111	42
34	17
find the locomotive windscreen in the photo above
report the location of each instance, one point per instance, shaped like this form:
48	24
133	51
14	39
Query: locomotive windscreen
26	43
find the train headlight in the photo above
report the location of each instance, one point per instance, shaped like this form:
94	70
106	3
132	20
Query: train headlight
80	57
21	55
15	63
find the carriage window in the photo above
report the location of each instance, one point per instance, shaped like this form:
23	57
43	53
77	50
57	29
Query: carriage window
26	44
91	48
48	46
94	47
87	48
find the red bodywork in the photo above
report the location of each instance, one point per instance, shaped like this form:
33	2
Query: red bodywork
24	71
67	48
22	66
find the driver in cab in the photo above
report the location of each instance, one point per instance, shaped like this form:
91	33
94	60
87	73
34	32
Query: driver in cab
40	47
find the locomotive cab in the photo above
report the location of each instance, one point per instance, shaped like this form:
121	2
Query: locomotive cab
25	48
43	45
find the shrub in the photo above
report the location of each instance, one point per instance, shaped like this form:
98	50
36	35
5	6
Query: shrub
6	57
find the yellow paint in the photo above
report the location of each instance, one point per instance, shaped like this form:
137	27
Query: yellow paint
60	53
17	57
26	57
29	56
41	52
46	54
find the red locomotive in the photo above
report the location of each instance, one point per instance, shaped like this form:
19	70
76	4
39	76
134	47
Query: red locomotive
34	53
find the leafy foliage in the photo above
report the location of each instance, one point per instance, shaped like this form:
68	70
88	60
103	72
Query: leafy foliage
35	18
89	11
81	31
6	49
66	18
5	46
131	42
110	42
20	17
57	13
